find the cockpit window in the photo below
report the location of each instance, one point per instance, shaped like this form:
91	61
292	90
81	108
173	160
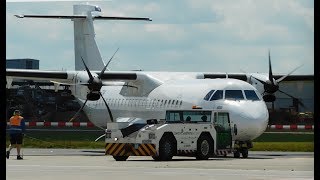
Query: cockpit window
234	94
251	95
217	95
207	97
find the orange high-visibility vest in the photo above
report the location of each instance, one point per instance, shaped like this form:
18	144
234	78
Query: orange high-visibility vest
16	120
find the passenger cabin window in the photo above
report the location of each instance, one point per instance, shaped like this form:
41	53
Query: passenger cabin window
207	97
234	95
217	95
251	95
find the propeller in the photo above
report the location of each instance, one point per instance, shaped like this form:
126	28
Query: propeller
271	85
94	85
294	98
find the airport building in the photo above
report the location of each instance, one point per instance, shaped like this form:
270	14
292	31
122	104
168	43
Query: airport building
37	99
302	90
297	109
22	63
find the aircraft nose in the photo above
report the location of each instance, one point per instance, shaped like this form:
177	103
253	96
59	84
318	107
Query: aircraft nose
257	119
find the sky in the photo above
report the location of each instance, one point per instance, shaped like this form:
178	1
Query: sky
185	35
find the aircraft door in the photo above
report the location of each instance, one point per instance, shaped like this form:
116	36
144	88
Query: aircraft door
222	126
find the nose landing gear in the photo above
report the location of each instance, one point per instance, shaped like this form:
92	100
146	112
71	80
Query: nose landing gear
242	148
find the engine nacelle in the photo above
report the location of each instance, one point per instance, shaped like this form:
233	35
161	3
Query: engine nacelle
269	98
93	96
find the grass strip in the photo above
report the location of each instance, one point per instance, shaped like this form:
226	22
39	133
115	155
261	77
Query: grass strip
66	144
283	146
257	146
285	137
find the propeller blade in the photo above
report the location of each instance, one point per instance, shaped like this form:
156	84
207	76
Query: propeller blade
299	102
282	78
109	111
87	69
270	70
243	71
103	135
263	82
287	94
105	67
78	111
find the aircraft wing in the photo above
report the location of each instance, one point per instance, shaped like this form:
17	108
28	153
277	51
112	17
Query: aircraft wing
37	75
296	77
118	75
142	82
64	76
244	76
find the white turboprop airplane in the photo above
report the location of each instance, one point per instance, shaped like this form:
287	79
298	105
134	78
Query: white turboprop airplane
148	95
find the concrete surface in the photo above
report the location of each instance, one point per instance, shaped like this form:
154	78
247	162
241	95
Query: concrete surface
80	164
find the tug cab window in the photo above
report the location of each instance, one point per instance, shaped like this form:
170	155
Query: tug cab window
217	95
251	95
221	120
188	116
174	116
234	95
196	116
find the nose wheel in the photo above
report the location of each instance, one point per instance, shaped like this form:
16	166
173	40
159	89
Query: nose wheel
242	147
243	151
236	154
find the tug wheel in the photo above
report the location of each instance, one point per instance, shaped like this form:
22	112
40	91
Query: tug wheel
166	149
236	154
156	158
204	148
120	158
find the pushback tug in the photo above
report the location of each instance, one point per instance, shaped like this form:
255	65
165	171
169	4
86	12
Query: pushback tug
199	133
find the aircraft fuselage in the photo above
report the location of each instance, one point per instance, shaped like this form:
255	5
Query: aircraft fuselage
250	116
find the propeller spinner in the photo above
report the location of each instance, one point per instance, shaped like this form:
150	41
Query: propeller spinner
94	85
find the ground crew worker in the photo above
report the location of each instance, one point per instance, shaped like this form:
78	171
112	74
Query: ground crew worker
204	118
16	131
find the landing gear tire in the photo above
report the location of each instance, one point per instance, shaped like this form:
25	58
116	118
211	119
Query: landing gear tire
236	154
204	148
244	153
120	158
166	150
156	158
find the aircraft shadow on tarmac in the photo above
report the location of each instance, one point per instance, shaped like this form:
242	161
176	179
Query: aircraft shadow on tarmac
211	159
180	159
228	158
